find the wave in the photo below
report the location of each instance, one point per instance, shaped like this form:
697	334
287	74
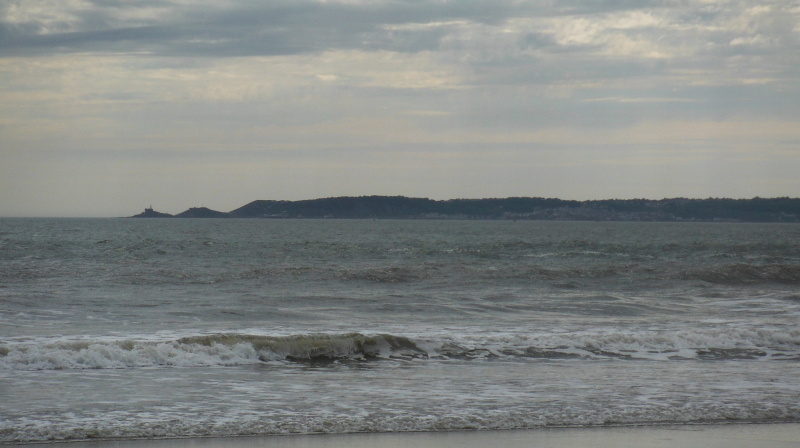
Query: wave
735	273
231	349
741	274
387	275
630	269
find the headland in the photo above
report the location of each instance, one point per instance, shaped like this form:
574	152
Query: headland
515	208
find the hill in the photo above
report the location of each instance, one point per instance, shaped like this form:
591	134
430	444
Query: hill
202	212
516	208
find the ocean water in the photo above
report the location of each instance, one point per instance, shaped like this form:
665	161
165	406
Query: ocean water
126	328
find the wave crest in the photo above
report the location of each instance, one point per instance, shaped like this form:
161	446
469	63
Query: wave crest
739	274
229	349
223	349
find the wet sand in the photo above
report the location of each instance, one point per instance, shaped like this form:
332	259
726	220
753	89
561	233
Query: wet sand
706	436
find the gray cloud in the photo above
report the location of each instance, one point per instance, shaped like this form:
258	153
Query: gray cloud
240	28
279	27
536	41
367	95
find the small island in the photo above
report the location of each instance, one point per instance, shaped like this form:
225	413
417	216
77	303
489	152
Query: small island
516	208
150	213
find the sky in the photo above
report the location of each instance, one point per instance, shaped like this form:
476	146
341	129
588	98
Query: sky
111	106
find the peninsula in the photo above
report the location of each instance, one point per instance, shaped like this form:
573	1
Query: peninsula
516	208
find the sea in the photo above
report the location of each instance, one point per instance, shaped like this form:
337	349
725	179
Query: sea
161	328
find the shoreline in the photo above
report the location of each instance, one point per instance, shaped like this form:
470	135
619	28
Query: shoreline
729	435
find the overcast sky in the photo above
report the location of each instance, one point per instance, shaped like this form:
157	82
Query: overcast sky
109	106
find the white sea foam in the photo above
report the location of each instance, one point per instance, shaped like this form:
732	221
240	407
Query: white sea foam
450	395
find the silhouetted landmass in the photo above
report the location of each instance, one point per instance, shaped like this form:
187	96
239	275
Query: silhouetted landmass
400	207
150	213
202	212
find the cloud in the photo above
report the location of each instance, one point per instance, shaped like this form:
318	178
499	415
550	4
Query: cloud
515	40
300	86
621	99
226	28
265	28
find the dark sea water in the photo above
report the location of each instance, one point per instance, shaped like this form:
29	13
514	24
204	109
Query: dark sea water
169	328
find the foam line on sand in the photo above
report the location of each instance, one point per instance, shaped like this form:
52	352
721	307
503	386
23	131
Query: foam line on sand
782	435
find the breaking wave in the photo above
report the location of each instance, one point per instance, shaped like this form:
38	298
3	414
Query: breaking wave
231	349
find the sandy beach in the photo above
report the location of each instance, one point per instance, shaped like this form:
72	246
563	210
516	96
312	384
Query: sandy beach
706	436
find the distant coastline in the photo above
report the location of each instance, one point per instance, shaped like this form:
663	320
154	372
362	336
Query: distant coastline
516	208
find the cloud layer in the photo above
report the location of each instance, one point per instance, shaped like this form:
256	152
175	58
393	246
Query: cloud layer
294	99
